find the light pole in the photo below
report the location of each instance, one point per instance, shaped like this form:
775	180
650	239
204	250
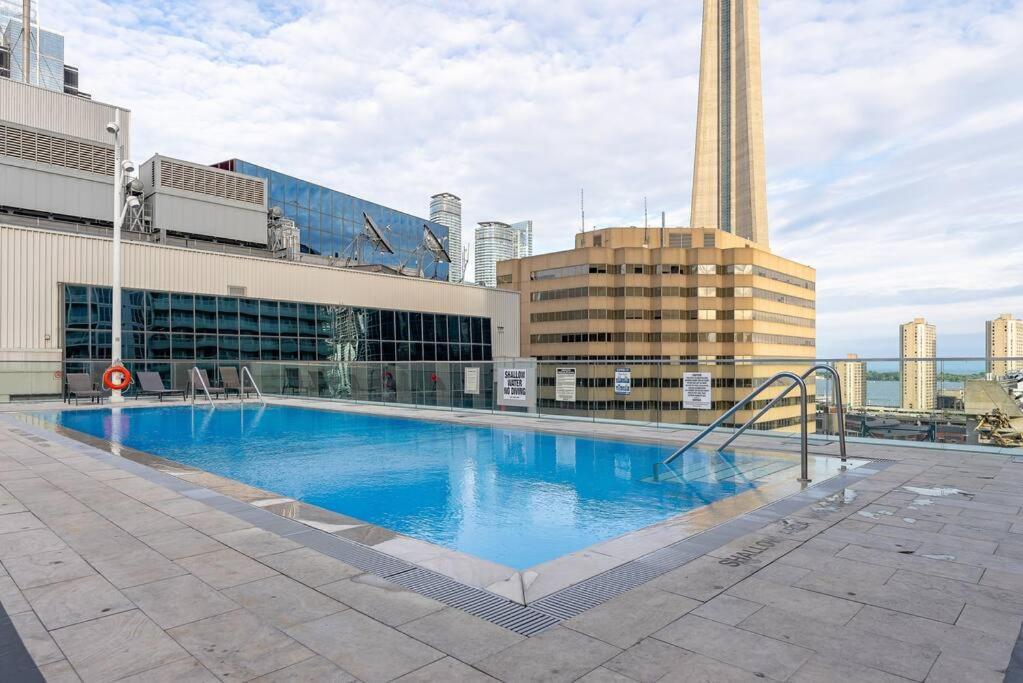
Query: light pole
120	209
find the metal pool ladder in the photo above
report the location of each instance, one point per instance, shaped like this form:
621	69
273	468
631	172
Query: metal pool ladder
241	394
804	447
197	379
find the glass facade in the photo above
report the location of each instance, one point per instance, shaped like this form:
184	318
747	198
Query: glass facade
329	222
46	49
170	326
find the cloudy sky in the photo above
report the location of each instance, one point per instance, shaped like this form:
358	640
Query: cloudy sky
894	127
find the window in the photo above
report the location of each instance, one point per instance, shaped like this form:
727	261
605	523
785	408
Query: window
707	291
163	326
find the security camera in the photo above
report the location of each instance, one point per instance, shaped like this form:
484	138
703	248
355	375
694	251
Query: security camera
113	128
128	166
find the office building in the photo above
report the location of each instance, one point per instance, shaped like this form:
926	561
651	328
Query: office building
332	225
495	242
729	181
446	210
1004	339
186	307
202	283
918	340
853	375
682	300
45	54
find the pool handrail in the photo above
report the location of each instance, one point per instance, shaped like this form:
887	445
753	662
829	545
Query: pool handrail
840	414
241	395
804	443
196	375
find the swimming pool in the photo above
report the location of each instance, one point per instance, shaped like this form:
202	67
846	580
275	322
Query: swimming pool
514	497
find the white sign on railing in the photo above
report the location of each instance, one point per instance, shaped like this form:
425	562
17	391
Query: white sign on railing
623	381
696	391
472	381
513	386
564	385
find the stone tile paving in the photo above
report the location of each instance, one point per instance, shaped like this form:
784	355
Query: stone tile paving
106	576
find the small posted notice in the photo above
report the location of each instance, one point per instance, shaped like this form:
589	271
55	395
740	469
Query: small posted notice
514	384
472	381
564	385
696	391
623	381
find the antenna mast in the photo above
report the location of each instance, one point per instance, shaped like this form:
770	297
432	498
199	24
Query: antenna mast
582	208
646	225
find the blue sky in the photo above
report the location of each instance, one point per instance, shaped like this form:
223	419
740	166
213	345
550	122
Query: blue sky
893	126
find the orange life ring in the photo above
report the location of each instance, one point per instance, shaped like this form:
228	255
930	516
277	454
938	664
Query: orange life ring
108	378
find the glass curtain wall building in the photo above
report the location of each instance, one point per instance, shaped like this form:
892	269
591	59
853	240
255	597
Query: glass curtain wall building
330	221
46	49
172	326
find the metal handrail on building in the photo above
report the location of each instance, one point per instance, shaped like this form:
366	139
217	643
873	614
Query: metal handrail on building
795	380
196	375
246	373
840	408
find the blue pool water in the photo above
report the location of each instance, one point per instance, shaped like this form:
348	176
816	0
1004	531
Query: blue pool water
509	496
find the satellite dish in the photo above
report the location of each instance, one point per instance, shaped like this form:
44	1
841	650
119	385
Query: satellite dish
375	235
434	245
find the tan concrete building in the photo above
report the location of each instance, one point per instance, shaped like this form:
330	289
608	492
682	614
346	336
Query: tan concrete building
853	374
918	339
729	180
664	302
1004	340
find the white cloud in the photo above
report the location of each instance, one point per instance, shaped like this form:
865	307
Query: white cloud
893	126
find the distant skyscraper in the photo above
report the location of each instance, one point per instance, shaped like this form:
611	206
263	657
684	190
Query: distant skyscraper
524	241
918	339
729	181
495	241
45	66
1004	340
446	209
853	374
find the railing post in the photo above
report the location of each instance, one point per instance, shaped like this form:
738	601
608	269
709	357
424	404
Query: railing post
804	441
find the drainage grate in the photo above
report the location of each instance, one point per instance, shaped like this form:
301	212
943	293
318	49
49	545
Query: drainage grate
367	559
593	592
522	620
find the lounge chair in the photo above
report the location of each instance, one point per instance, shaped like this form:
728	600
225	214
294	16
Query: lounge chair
232	382
317	382
204	379
151	384
292	382
80	385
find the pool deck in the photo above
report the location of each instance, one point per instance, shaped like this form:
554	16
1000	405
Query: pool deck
912	571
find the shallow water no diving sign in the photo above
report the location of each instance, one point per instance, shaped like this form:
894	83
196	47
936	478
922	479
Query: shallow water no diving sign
513	387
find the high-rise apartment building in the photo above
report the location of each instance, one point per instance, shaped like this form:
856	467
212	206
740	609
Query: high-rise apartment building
853	375
45	66
496	241
446	209
524	238
1004	340
729	182
685	300
918	340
